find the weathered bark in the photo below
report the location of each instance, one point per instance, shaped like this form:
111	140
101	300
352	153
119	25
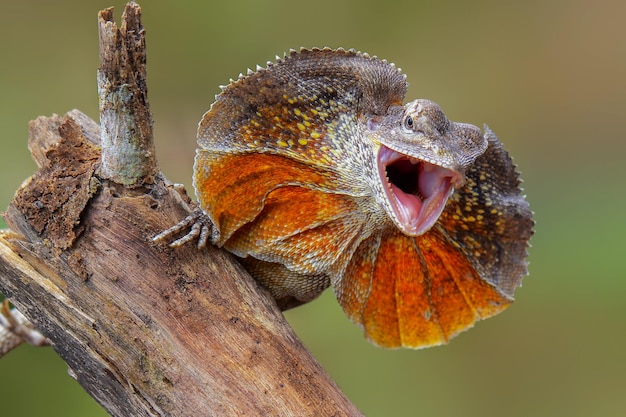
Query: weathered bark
146	329
128	155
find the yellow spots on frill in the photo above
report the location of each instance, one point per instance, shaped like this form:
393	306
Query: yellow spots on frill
303	127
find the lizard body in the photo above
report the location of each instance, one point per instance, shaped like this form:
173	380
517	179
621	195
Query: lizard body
314	173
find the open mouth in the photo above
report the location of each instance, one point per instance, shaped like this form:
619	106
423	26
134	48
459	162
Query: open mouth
416	189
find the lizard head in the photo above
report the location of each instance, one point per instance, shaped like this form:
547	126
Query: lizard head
421	159
314	173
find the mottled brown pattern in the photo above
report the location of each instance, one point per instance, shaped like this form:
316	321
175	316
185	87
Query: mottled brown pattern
314	173
51	206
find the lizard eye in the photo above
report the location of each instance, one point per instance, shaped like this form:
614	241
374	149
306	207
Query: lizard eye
408	123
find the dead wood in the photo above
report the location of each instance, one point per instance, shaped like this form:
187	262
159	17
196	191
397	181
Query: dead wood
146	329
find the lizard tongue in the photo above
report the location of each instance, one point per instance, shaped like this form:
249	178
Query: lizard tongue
416	190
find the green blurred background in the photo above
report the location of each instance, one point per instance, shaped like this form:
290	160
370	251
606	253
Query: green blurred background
549	79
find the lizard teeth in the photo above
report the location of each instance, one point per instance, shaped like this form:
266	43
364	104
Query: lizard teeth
416	191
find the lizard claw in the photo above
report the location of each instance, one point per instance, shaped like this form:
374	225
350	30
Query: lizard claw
198	225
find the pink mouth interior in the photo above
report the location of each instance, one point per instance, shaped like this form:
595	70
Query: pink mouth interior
417	190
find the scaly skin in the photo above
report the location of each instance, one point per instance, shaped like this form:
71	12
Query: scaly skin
315	173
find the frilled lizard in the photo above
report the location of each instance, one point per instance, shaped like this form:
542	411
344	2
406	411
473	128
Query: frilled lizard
314	173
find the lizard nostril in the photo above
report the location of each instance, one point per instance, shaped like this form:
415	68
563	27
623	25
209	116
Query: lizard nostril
286	175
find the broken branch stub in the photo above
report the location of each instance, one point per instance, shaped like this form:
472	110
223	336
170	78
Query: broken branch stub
128	154
146	329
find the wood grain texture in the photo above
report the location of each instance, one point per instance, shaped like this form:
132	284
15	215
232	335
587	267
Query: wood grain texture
146	329
128	155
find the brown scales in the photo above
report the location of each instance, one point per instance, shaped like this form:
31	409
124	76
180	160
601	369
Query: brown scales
315	173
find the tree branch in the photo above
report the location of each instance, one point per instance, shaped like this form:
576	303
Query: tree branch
146	329
128	155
